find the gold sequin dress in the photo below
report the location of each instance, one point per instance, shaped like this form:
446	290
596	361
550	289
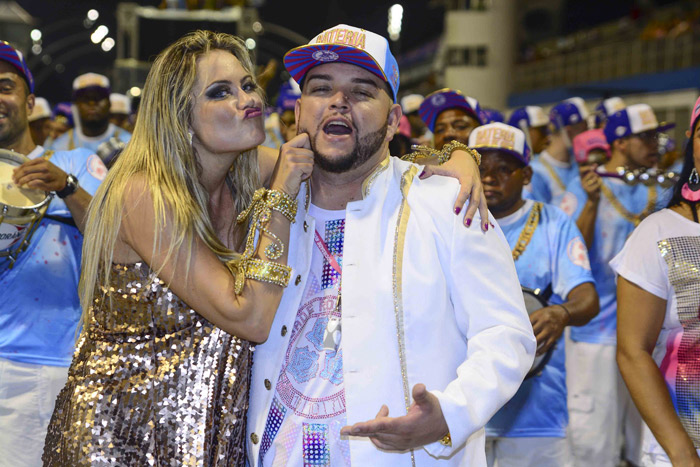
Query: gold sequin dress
152	383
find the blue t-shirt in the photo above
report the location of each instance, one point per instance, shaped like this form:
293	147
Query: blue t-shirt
63	142
611	232
40	306
544	186
555	255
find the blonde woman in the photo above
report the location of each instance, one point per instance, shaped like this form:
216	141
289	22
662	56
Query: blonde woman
160	374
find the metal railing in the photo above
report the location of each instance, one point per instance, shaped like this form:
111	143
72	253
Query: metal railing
610	61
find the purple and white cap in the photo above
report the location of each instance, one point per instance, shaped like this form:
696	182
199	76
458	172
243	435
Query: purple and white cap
15	58
345	44
445	99
528	117
568	112
501	137
632	120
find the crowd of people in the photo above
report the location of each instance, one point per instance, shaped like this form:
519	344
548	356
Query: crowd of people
210	281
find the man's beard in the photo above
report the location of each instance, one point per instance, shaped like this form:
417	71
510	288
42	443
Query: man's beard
365	148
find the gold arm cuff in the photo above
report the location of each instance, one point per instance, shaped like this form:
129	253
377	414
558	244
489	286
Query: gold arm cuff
452	146
259	270
446	440
282	202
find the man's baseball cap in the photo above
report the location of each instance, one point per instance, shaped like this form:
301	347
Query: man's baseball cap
119	104
695	115
345	44
587	141
501	137
568	112
607	107
91	82
528	117
445	99
632	120
42	109
411	103
15	58
491	116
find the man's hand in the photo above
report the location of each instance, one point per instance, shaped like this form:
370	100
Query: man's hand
591	182
40	174
423	424
462	167
548	324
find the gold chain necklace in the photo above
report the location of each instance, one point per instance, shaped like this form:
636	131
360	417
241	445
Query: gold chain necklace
553	173
635	219
526	235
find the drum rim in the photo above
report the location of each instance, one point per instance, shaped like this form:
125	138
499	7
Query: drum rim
19	159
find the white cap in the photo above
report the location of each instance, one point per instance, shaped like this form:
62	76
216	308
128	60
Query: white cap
580	105
501	137
411	103
119	104
613	104
42	109
90	80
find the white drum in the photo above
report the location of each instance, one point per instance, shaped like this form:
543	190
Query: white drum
21	210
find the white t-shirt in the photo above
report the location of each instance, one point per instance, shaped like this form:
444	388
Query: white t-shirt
662	256
308	409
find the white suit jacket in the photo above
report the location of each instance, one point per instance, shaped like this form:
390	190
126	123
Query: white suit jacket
425	300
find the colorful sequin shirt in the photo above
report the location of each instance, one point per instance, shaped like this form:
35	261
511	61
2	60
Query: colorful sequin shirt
662	256
308	409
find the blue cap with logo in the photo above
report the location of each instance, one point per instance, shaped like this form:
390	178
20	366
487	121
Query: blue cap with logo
445	99
568	112
607	107
289	93
491	116
345	44
632	120
15	58
528	117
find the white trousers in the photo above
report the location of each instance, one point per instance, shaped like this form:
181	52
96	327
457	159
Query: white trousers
528	452
602	415
27	397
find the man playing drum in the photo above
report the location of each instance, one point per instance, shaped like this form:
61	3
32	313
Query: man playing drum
549	255
40	307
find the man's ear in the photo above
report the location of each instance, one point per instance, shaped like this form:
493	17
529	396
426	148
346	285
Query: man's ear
395	114
297	111
527	175
30	104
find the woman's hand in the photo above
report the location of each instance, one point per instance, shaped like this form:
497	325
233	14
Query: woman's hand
462	166
294	165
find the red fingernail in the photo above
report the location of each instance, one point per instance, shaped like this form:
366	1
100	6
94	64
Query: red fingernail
486	228
457	210
421	174
469	222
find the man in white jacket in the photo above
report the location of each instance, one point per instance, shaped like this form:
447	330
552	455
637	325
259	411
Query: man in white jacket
402	331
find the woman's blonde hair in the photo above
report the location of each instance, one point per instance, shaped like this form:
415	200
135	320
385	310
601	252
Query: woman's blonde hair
161	152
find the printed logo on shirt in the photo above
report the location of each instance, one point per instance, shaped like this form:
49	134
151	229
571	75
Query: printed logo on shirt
10	234
578	254
568	203
96	167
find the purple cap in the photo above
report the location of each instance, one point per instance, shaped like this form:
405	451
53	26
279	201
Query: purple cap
445	99
491	116
633	120
15	58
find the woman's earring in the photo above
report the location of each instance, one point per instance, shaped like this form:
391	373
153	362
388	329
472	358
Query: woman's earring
694	179
189	137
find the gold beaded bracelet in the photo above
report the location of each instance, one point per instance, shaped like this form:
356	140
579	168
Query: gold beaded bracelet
443	155
258	214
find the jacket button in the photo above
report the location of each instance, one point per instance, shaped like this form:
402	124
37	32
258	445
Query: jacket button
268	384
306	226
284	330
254	438
297	280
